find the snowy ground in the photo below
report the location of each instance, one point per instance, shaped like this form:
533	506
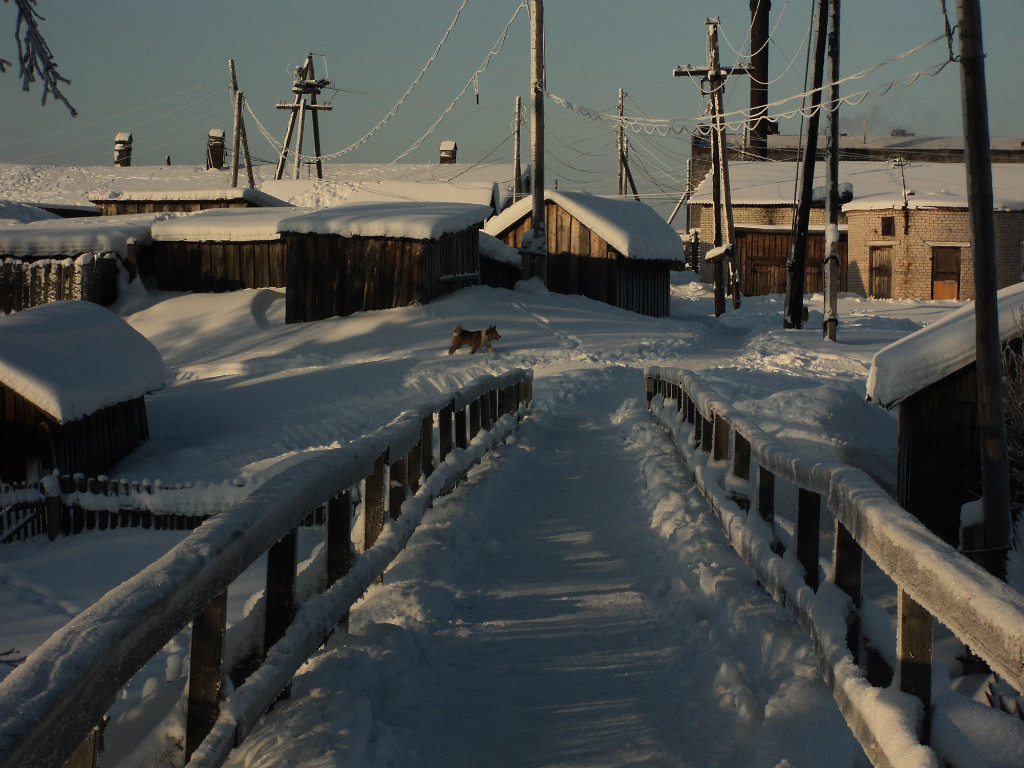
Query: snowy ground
549	612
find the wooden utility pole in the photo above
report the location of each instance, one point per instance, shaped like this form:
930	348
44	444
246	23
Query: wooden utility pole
534	244
239	99
305	84
978	161
797	263
832	264
517	181
759	34
620	150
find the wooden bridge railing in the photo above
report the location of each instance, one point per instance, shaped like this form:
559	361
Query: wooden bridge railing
53	702
722	447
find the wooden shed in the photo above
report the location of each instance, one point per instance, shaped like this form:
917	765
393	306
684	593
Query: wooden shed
214	149
366	256
120	203
218	250
931	376
73	377
123	149
611	249
449	152
58	259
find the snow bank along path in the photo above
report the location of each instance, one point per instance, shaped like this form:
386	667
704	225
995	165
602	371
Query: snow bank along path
596	616
64	687
982	611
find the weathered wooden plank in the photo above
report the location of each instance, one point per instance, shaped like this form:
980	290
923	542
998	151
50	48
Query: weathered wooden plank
206	660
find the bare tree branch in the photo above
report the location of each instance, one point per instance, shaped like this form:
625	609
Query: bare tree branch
34	55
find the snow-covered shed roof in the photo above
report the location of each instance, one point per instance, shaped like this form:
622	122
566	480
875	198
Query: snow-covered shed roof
69	237
448	146
399	219
874	184
493	248
22	213
248	194
226	225
325	194
632	228
933	353
72	358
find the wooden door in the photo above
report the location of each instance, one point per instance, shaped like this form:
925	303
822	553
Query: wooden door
945	272
880	286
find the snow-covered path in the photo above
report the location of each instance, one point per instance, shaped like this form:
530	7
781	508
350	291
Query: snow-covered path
567	631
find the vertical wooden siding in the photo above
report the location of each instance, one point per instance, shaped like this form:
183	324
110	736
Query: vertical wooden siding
25	284
216	266
762	262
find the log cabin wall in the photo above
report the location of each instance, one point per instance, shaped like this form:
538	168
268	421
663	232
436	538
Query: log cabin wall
28	283
214	266
581	263
329	275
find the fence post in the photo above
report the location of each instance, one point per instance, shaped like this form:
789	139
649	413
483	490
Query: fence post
474	418
339	536
914	656
650	390
444	433
741	470
766	496
426	467
280	594
486	422
679	397
527	392
808	537
53	509
720	446
398	476
706	434
848	563
373	502
461	440
205	661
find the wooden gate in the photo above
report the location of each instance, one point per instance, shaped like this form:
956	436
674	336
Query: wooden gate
946	272
762	260
880	286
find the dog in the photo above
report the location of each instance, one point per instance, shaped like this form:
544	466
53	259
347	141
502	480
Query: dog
474	339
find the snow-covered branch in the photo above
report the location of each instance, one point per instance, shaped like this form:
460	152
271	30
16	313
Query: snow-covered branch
34	56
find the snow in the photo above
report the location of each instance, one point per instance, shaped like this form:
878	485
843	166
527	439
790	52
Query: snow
413	220
226	224
630	227
929	355
493	248
70	237
228	194
21	213
718	252
72	358
873	185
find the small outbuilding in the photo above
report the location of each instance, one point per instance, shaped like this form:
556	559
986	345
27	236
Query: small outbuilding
120	203
73	377
366	256
123	149
931	376
611	249
449	152
214	149
218	250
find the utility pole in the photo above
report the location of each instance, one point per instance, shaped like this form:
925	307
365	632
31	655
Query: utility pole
305	84
620	150
759	34
832	265
534	246
517	181
239	99
796	265
978	161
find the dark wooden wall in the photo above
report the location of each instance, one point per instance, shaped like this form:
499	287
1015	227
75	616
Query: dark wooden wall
330	275
122	207
25	284
762	262
214	266
90	445
939	459
498	274
582	263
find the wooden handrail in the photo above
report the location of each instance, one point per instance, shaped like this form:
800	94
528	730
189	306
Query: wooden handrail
933	579
64	688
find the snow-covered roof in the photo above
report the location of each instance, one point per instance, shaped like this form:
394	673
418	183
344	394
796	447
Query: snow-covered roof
632	228
493	248
226	224
448	146
217	133
932	353
405	219
72	358
69	237
248	194
22	213
874	184
122	136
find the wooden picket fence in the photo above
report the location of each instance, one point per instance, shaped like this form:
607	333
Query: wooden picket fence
736	465
89	277
63	690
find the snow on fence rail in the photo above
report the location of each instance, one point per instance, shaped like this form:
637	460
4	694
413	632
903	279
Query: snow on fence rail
893	726
53	701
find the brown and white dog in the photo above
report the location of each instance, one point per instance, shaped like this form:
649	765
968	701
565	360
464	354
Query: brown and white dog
474	339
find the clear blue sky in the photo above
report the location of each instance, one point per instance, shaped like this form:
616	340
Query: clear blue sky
160	71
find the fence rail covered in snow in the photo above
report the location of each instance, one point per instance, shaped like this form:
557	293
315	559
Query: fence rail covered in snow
63	689
723	449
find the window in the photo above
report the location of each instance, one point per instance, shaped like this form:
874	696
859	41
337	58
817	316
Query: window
888	226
